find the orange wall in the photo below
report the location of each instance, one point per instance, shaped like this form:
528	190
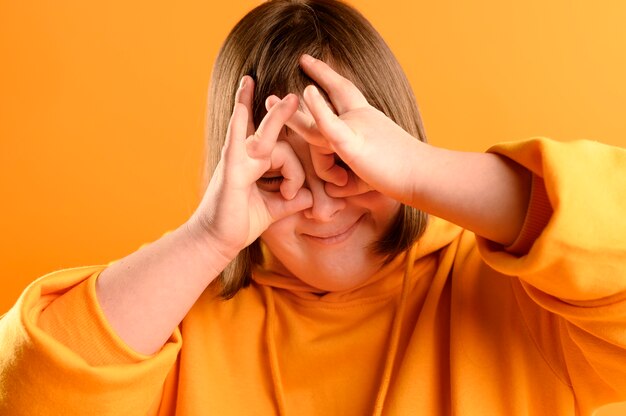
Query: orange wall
102	104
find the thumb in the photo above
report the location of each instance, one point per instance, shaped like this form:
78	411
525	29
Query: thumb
280	207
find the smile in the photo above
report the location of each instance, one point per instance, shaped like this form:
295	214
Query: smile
336	237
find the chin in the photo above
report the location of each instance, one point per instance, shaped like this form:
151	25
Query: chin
337	282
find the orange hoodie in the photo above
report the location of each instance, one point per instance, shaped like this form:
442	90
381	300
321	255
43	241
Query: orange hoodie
458	325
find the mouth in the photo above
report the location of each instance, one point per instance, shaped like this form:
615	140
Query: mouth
335	237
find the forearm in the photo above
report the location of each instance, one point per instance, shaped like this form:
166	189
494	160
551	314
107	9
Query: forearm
482	192
145	295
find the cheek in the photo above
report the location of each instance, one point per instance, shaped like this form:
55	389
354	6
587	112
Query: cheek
280	232
382	208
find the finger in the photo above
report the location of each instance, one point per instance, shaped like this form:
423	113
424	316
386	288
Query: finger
326	167
280	208
271	101
354	186
284	158
235	134
301	123
339	135
322	156
343	94
245	95
305	126
261	143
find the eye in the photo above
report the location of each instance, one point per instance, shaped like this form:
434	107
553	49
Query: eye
270	183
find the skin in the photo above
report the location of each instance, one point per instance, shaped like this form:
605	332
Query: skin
328	245
146	295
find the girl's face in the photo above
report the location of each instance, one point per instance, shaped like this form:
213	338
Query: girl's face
330	245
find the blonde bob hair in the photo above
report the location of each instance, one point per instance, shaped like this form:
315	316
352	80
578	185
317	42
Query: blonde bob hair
266	44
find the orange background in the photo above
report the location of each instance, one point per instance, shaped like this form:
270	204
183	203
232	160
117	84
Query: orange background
102	104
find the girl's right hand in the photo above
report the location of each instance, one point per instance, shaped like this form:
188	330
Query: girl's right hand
242	200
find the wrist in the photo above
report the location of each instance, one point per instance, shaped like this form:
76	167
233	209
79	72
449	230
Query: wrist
422	170
214	254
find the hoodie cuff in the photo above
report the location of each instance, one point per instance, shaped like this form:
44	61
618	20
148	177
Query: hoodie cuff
537	217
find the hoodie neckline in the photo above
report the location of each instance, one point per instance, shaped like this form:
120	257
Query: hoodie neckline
383	283
383	388
439	234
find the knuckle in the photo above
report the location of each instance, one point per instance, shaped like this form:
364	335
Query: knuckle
254	144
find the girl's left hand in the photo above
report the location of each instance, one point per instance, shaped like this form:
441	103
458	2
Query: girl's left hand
374	153
482	192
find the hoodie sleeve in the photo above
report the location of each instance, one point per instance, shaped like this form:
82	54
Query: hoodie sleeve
571	261
58	354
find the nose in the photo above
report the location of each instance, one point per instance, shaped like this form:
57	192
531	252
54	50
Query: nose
324	206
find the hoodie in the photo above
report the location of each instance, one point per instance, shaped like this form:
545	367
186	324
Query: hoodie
456	325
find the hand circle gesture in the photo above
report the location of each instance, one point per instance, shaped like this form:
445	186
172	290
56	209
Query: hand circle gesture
356	149
236	209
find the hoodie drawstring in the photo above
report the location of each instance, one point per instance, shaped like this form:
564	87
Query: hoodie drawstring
270	330
395	334
279	393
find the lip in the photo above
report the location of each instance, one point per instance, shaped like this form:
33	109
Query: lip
335	237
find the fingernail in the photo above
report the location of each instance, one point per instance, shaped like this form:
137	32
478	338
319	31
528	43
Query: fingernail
308	58
243	81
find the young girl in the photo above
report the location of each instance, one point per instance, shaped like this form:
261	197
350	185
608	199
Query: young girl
310	280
